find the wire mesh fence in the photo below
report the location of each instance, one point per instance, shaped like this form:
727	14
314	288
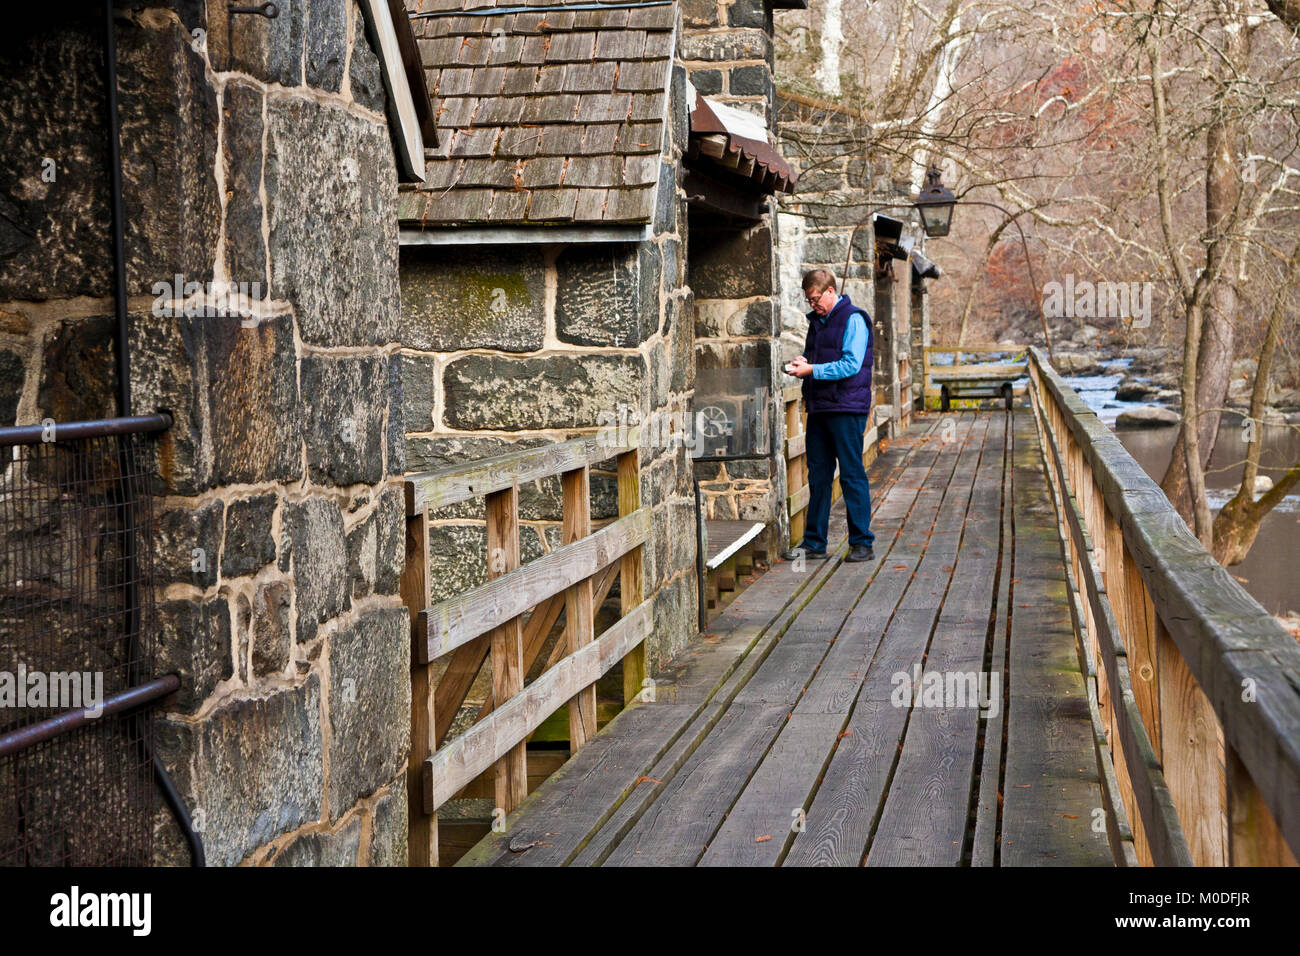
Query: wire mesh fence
76	619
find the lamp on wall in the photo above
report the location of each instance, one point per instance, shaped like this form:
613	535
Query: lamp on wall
935	203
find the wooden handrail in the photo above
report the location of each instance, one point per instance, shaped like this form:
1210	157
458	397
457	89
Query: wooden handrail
475	479
486	622
458	620
1199	684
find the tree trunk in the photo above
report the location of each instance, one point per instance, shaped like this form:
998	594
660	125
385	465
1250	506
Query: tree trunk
1214	347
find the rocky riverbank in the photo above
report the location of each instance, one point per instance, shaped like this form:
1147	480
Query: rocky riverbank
1144	383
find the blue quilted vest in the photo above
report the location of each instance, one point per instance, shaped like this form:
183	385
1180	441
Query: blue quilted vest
825	343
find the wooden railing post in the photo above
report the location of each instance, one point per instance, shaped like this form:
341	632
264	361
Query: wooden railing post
796	468
507	640
629	583
579	607
422	827
1255	839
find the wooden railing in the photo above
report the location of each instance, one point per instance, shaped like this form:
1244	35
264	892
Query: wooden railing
796	461
993	373
487	622
1197	686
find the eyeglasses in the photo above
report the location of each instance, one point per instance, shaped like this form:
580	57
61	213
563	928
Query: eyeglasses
814	299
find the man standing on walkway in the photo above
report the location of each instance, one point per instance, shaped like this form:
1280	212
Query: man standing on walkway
836	373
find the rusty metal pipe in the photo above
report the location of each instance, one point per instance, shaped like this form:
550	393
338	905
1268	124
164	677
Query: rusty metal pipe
129	699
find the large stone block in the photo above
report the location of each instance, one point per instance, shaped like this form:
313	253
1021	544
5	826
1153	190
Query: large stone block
345	399
747	13
751	81
376	551
169	119
365	75
331	193
418	390
271	628
681	330
193	641
254	769
253	406
314	533
732	265
77	371
480	297
370	706
553	391
388	838
242	149
396	420
269	49
700	13
53	234
601	298
323	848
707	82
12	376
326	42
742	44
187	543
249	544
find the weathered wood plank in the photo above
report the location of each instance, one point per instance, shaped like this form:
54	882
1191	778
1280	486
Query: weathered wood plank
422	828
507	646
1051	786
508	726
586	807
447	486
579	603
630	576
458	620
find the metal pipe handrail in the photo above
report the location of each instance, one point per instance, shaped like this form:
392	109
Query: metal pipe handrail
133	697
89	428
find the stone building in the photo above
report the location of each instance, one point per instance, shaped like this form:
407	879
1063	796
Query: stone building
593	238
590	242
851	218
266	153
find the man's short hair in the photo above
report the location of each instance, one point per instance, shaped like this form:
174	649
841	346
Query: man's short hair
818	280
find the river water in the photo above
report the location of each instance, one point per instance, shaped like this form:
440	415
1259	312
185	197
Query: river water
1271	571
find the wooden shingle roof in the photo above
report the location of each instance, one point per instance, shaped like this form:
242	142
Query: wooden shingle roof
545	116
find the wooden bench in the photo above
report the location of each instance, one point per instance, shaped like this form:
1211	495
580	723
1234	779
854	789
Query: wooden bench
969	383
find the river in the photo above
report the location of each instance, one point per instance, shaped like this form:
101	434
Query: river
1271	571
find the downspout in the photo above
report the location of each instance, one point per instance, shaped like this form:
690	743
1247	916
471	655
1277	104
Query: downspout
123	361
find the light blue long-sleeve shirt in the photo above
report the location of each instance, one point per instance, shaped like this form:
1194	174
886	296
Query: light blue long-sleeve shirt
854	348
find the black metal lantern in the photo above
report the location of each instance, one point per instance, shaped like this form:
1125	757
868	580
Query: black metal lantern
935	204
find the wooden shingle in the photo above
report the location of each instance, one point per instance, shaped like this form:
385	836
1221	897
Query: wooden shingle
548	116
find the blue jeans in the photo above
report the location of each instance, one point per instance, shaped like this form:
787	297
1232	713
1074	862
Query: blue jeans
836	436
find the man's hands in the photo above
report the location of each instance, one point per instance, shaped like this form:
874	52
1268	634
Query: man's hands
800	368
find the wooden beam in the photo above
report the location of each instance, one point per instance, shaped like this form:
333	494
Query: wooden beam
507	643
539	627
447	486
454	766
579	605
458	620
630	594
422	828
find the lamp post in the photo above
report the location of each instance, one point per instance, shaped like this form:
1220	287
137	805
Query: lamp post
935	203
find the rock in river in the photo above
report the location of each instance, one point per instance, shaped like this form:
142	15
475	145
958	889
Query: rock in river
1148	416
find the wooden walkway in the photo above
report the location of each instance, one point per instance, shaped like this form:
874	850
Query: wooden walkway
790	733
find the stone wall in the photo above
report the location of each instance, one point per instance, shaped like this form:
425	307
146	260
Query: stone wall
527	344
727	50
827	225
279	517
